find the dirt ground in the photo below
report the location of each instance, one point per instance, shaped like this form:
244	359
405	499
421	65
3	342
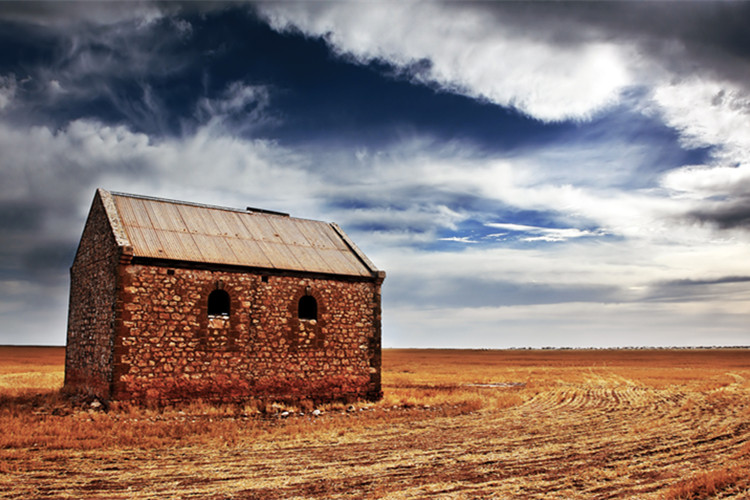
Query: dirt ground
653	424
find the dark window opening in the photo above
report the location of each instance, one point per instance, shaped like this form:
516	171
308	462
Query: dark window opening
308	307
218	303
264	279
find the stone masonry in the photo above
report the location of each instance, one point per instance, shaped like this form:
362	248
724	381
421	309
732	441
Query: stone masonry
91	317
140	329
168	347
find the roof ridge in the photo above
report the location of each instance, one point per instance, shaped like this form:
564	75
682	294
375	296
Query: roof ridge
204	205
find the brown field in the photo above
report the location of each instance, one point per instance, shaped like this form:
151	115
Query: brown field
453	424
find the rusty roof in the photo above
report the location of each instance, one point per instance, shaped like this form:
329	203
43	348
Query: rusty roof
190	232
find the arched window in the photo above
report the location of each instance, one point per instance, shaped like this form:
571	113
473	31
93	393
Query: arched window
218	303
308	307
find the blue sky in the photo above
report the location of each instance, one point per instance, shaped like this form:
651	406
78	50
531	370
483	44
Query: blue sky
528	174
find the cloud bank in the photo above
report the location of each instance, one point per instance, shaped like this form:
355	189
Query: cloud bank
572	174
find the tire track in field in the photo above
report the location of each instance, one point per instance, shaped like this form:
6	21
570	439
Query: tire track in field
575	441
608	439
648	432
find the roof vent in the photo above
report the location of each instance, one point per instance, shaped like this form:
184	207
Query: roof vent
264	211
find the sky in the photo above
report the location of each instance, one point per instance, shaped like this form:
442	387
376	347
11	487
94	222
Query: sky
528	174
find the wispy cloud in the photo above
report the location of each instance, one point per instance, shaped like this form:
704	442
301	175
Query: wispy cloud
457	239
546	233
7	90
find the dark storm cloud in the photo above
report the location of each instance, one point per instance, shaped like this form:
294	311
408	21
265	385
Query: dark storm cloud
47	257
711	35
717	281
692	289
31	251
20	216
727	215
682	36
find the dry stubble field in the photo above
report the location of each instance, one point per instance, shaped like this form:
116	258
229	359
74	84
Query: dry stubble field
453	424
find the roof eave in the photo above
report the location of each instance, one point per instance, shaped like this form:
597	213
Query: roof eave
188	264
377	273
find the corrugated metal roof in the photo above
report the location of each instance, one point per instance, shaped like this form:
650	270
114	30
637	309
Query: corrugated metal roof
176	230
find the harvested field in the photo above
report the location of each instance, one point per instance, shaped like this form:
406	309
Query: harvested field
453	424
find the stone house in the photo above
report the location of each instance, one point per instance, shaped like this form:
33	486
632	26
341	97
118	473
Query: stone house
172	300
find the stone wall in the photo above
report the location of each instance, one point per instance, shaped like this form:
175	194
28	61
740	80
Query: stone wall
91	312
167	347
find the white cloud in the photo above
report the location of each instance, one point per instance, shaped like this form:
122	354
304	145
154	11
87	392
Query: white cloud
708	113
471	52
715	114
701	181
213	167
60	170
